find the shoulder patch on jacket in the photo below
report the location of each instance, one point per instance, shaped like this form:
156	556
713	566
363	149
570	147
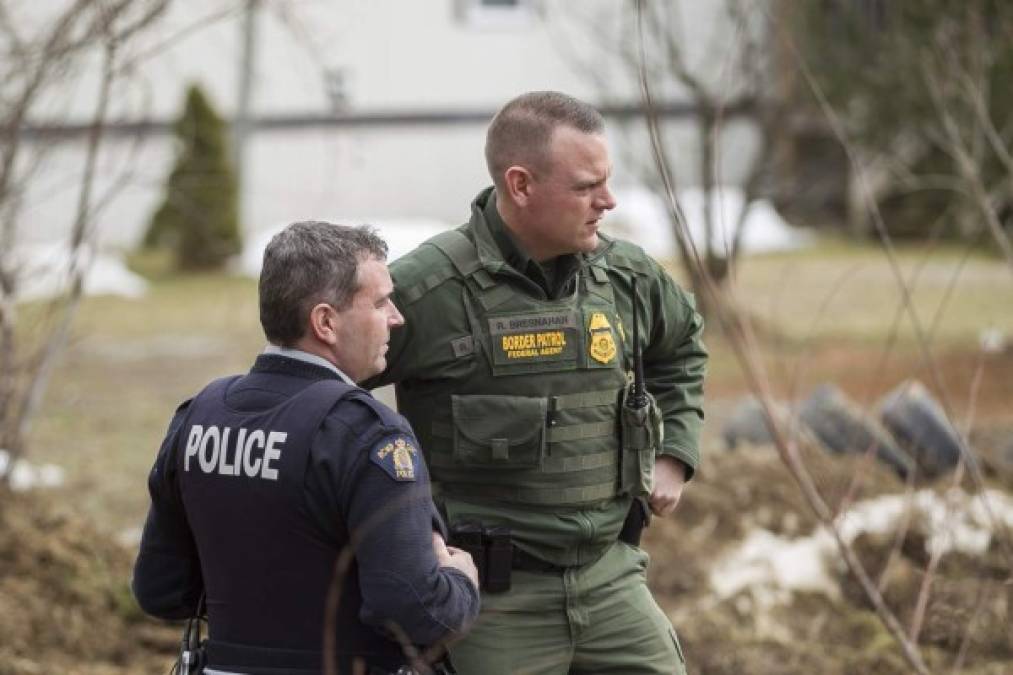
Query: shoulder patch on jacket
387	416
627	255
398	456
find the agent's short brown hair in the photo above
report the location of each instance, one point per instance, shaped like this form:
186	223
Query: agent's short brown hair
520	132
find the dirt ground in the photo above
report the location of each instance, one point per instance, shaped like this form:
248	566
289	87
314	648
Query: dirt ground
65	605
967	624
65	602
811	632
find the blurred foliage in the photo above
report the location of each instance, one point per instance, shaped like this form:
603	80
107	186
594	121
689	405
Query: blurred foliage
902	77
199	215
868	57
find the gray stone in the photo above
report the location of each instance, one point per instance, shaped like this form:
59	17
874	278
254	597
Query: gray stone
747	424
844	428
919	424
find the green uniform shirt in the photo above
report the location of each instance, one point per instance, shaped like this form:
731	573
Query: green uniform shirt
430	357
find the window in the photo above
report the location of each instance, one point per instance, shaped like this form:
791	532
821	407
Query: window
495	13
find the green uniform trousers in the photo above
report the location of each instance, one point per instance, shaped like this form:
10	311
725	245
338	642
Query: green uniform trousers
598	618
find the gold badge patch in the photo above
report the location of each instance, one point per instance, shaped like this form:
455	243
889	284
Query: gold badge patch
598	321
404	467
602	346
399	458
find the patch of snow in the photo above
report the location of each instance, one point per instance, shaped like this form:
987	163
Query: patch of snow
955	520
402	235
130	537
27	476
993	341
771	567
641	217
44	271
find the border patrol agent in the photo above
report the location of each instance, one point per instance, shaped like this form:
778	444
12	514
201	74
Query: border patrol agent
266	481
514	382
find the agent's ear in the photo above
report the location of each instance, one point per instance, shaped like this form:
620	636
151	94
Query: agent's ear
324	323
518	182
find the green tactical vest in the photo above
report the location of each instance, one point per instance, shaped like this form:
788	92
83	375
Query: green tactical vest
538	421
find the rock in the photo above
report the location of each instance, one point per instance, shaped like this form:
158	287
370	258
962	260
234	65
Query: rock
843	427
747	424
919	424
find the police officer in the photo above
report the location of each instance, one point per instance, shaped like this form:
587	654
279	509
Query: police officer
289	489
514	369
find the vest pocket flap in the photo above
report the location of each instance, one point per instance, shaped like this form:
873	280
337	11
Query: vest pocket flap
503	431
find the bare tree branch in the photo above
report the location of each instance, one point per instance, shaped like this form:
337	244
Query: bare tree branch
967	456
743	344
79	256
62	47
966	164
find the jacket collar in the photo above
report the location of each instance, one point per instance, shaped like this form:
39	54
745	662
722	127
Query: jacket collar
283	365
484	220
497	248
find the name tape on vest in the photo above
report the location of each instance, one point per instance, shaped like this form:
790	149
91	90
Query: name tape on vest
534	337
251	452
500	325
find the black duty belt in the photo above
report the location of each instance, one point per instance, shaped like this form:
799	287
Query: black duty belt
441	668
525	562
241	658
231	657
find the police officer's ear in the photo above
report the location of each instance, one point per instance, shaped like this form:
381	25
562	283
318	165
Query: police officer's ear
517	181
323	322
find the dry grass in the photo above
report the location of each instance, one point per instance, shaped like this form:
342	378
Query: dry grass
823	315
130	363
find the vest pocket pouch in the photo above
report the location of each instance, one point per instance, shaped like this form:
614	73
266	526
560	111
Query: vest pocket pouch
499	431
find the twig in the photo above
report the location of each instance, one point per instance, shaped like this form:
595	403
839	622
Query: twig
921	605
901	534
888	249
342	567
965	163
78	264
332	602
965	642
194	26
740	338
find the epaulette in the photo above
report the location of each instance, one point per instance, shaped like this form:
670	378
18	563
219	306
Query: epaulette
391	445
627	255
423	269
183	406
388	417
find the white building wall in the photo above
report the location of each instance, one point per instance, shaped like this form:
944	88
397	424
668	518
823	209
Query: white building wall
407	55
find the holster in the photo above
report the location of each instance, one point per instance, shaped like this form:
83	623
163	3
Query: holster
491	550
637	518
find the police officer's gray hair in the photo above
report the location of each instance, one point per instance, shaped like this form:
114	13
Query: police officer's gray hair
519	133
308	263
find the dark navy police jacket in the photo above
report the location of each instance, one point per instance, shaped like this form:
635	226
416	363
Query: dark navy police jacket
269	487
